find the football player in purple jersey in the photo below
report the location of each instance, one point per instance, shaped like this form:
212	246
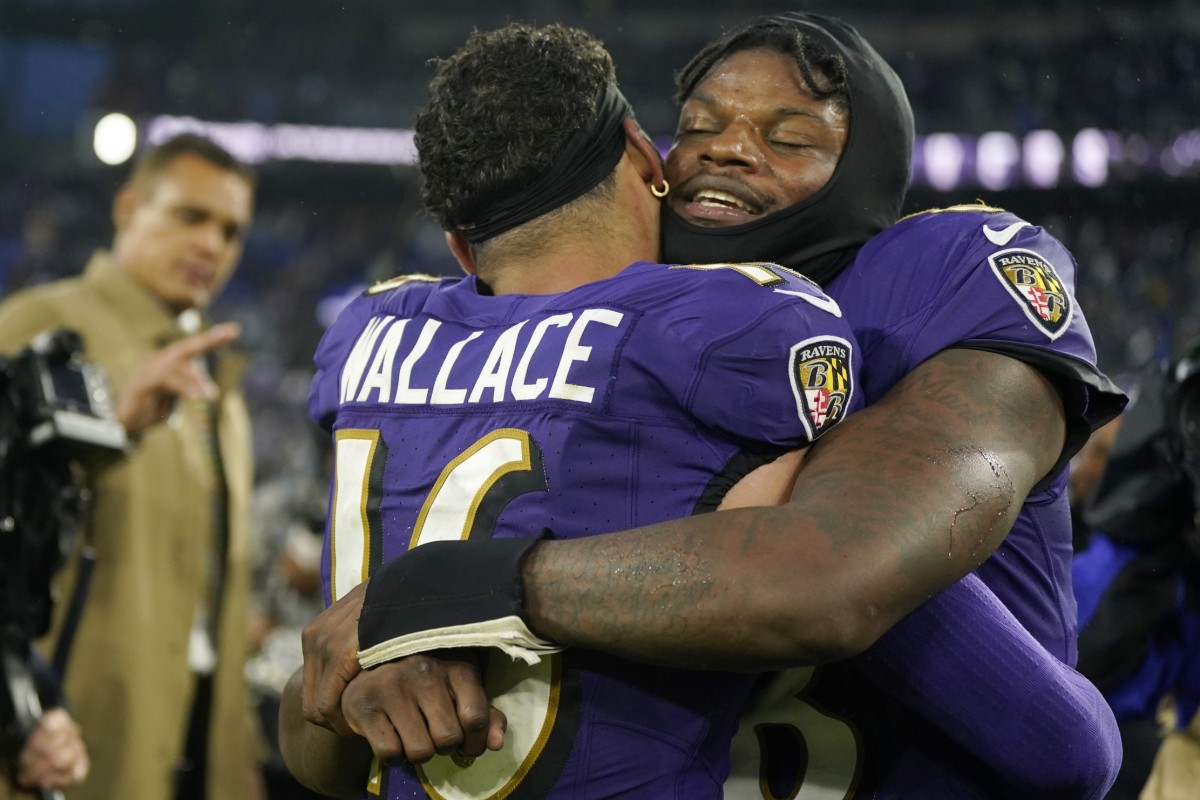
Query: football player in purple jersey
793	144
569	383
826	574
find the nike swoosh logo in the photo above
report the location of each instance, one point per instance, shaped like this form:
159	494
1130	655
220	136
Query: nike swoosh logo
1004	235
824	303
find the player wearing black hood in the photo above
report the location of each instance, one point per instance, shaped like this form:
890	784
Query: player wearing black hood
891	508
821	233
974	349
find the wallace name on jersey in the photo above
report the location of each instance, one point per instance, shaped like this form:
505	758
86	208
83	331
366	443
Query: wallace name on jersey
566	356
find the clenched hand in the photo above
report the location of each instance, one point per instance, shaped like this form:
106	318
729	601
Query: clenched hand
54	756
424	705
331	660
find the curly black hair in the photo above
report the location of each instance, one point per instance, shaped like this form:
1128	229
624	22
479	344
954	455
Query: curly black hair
500	109
824	72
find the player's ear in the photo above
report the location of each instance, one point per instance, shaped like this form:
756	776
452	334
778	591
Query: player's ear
645	156
462	251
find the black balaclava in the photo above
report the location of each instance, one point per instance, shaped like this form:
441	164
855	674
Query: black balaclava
820	236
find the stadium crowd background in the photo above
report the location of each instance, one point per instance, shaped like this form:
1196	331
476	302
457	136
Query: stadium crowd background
1130	68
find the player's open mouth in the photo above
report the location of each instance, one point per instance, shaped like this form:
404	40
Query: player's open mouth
727	203
711	197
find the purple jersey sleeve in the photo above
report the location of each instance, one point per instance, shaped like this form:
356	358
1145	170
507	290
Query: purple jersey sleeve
1038	723
972	276
793	364
978	277
998	716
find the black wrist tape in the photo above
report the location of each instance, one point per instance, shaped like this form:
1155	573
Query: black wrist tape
448	594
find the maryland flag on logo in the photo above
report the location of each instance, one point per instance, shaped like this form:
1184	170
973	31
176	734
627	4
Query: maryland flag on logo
822	381
1036	287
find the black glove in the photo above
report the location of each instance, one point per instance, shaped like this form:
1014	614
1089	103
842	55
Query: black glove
450	594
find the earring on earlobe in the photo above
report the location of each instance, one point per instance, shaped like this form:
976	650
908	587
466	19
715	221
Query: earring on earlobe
661	193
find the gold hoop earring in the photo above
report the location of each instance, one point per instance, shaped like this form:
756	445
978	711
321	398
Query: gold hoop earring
661	193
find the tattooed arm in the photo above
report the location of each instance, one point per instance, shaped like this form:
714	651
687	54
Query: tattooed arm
893	505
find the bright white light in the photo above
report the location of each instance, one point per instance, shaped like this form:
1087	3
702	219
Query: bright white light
114	139
943	160
996	159
1043	158
1090	156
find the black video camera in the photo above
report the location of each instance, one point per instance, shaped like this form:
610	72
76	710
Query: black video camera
55	408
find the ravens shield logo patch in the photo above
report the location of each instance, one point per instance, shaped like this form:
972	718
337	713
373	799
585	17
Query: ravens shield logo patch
822	380
1036	287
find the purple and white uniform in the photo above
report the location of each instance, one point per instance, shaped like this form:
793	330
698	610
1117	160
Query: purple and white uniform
988	281
994	282
997	283
618	404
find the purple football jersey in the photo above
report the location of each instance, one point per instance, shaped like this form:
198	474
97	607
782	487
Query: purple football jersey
983	278
619	404
967	276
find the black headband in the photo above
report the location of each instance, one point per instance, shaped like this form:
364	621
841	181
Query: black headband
588	157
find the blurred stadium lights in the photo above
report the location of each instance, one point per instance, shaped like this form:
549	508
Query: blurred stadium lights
1090	154
1043	159
999	156
114	139
255	143
944	154
997	160
1184	155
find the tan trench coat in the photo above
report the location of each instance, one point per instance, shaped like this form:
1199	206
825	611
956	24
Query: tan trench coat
128	683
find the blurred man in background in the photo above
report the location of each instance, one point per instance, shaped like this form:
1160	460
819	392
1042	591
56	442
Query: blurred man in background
155	679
